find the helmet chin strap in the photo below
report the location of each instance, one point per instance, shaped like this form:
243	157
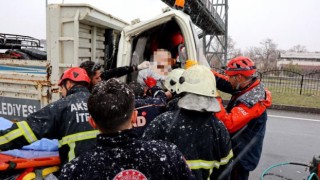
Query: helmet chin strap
238	84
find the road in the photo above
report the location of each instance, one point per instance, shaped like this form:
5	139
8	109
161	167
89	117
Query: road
290	137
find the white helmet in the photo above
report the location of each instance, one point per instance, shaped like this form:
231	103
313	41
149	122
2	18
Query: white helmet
198	79
172	79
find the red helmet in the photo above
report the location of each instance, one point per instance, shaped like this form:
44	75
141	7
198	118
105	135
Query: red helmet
177	39
76	74
240	65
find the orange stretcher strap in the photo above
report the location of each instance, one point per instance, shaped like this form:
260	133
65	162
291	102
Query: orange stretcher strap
11	162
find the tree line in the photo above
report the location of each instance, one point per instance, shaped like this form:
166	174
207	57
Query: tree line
265	55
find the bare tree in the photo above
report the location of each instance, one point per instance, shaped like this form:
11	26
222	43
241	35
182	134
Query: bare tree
265	56
298	48
217	59
232	50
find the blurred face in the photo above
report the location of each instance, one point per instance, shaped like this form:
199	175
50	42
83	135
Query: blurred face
96	78
162	62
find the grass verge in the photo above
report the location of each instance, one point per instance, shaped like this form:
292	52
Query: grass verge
290	99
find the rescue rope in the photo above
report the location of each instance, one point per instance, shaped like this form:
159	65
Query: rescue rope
313	174
266	172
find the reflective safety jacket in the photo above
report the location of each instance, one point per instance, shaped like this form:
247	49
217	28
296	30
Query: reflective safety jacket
202	139
65	120
123	155
245	118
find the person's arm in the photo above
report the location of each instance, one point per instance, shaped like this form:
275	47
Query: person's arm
183	170
157	92
117	72
125	70
69	170
156	128
225	151
38	124
223	83
154	90
18	135
241	114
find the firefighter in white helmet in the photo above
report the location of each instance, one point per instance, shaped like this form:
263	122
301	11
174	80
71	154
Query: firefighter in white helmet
202	138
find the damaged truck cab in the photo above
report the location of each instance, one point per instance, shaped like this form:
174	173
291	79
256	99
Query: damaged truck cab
80	32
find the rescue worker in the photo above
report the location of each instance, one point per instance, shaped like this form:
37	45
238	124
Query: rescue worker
172	80
200	136
119	153
65	120
177	43
246	114
96	75
150	102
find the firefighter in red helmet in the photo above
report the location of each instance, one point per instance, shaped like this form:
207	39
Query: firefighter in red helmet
246	114
72	75
177	42
65	120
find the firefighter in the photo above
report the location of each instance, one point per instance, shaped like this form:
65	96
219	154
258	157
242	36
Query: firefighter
245	116
96	75
150	101
177	43
65	120
119	153
201	138
171	81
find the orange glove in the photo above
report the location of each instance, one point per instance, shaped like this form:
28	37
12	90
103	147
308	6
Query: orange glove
150	81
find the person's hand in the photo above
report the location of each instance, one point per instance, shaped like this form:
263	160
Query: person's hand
143	65
150	81
168	94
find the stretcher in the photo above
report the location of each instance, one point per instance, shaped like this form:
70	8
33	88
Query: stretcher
10	162
12	167
35	161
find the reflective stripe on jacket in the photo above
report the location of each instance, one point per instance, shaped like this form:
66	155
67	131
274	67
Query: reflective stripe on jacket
61	119
202	139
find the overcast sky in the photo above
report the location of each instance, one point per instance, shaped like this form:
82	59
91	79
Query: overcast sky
286	22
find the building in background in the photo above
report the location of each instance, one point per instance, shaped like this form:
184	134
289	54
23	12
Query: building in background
305	61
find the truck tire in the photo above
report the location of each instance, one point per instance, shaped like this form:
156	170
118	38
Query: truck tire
38	54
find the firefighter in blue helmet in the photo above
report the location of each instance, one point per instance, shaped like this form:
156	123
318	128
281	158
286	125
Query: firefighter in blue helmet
65	120
119	153
201	138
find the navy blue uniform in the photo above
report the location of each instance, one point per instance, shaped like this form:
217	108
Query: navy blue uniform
122	155
202	139
65	120
149	107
